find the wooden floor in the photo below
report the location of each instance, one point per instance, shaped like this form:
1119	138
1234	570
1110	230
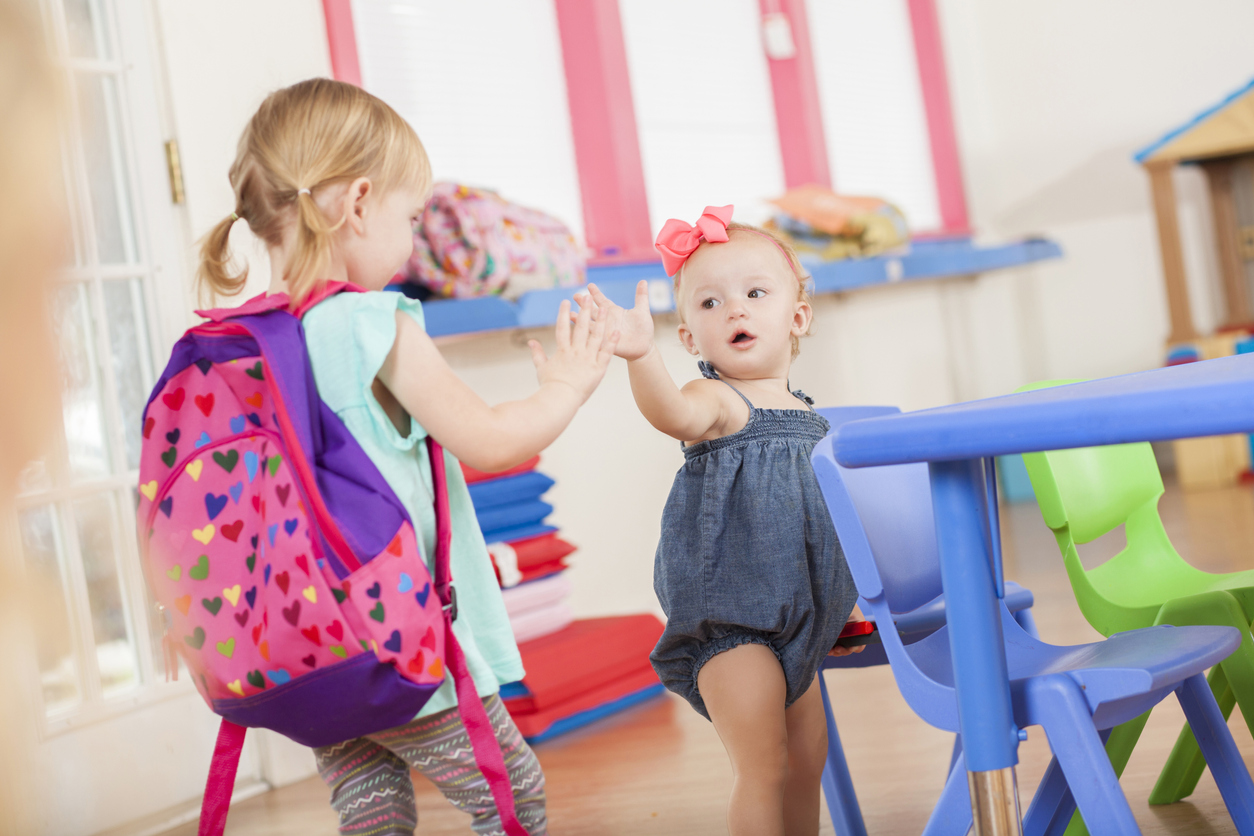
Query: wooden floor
660	769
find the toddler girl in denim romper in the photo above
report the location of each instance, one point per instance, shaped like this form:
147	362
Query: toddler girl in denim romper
749	571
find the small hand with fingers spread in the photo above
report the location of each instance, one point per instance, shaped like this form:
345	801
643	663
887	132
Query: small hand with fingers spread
635	326
584	350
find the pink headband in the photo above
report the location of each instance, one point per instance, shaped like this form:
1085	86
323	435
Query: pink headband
677	240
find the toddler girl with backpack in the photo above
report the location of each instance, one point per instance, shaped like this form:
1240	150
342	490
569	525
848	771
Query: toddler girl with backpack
330	179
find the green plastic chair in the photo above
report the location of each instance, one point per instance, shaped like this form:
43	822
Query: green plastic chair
1087	492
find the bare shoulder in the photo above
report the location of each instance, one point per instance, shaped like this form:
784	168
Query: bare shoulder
732	413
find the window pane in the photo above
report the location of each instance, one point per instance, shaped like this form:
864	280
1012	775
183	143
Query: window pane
85	25
115	652
106	168
82	407
872	105
58	671
128	343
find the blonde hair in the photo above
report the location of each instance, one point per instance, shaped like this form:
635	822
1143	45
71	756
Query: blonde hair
790	256
313	134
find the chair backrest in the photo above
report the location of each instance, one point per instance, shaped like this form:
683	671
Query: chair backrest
883	516
1092	490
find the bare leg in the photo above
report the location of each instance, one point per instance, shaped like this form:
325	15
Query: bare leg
807	754
744	691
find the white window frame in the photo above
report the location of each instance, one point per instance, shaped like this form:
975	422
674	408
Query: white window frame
160	234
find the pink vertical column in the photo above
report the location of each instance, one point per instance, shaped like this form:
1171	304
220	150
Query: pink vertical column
603	121
798	117
342	40
930	56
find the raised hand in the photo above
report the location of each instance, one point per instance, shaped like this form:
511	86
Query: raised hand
583	351
635	326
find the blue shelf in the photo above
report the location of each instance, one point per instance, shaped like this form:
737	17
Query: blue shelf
924	260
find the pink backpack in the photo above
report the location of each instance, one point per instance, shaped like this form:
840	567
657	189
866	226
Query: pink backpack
472	242
292	581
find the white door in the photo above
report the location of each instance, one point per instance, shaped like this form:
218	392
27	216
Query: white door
116	742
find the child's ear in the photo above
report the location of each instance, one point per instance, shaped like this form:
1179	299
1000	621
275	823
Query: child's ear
685	337
802	318
355	203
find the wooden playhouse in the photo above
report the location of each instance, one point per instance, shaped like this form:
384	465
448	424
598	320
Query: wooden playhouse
1221	141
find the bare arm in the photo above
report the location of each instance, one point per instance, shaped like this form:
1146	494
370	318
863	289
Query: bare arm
493	438
685	414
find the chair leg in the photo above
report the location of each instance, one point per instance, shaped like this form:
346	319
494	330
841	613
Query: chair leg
1027	622
1052	806
1120	741
952	814
1222	756
842	802
1211	608
1186	763
956	753
1056	703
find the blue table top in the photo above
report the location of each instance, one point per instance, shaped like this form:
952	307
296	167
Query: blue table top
1211	397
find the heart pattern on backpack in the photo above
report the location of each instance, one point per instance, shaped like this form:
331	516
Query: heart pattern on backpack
235	499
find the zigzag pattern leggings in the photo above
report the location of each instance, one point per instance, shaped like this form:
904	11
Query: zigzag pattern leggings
372	791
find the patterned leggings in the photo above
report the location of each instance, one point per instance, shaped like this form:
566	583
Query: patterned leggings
372	791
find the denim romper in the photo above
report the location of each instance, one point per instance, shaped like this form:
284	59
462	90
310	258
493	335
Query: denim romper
748	553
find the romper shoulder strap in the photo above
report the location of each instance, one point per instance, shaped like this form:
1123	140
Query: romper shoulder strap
708	372
801	396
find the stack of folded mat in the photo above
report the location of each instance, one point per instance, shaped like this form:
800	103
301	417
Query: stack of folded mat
577	671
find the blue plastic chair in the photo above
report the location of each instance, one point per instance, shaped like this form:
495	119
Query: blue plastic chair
842	801
884	519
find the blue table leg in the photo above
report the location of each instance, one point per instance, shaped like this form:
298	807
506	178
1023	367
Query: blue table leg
989	734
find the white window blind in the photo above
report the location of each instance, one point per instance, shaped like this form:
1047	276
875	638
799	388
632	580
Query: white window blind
483	84
872	105
704	109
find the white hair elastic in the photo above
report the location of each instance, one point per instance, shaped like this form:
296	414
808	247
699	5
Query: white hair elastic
304	191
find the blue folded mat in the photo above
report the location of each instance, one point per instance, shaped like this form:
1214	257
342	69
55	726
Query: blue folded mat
510	489
518	532
515	514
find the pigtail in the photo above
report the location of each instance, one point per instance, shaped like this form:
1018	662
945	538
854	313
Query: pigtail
215	260
313	134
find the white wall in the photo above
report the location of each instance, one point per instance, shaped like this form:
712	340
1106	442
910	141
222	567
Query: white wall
1051	100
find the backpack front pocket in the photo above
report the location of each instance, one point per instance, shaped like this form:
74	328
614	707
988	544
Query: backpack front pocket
392	605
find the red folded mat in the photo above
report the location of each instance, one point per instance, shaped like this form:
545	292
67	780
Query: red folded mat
534	723
535	551
535	573
473	475
588	655
537	557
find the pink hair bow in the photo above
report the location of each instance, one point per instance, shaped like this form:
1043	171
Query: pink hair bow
678	240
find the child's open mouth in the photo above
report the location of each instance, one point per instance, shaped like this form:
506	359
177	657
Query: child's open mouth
743	339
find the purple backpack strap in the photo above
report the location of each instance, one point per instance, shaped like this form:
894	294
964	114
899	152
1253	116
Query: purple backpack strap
488	755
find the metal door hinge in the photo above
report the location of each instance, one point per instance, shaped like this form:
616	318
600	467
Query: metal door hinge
175	166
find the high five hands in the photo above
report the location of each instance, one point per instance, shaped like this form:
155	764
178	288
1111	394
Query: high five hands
585	346
634	326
